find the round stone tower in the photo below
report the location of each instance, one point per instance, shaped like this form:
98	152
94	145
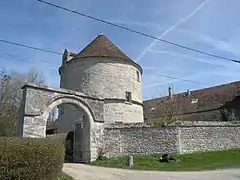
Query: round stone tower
103	70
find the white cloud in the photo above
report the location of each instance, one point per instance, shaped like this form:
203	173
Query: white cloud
210	61
164	80
215	43
181	21
145	24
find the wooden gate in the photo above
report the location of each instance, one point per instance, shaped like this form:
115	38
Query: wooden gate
81	150
77	153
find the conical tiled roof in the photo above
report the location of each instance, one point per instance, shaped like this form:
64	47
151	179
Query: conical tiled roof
101	46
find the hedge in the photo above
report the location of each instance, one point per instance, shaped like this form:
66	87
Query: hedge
30	158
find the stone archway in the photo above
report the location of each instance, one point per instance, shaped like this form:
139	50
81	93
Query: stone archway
38	101
81	130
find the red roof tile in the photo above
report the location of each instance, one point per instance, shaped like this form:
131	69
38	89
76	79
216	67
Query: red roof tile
101	46
206	99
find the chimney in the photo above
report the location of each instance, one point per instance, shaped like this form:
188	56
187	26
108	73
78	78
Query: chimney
67	56
188	92
170	92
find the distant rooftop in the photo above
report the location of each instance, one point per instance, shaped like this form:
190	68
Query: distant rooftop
194	101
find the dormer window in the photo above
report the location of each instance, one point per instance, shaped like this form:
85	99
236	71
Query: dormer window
194	101
128	97
153	109
138	76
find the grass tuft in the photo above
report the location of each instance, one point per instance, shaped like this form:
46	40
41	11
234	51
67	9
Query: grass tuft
64	176
186	162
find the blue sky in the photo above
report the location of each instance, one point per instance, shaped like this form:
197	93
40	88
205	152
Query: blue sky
211	26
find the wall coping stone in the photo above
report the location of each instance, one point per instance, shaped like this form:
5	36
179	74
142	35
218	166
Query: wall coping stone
208	123
187	124
61	90
131	125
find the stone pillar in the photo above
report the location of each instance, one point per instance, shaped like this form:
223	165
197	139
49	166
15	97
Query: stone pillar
33	126
130	161
96	139
179	142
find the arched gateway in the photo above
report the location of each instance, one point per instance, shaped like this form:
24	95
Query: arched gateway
38	101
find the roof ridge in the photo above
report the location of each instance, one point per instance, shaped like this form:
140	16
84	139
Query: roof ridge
197	90
101	46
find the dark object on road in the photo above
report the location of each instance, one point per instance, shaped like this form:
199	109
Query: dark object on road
167	158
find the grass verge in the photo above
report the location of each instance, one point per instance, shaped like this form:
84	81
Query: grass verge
187	162
64	176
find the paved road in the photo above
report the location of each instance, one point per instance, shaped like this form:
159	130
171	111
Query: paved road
86	172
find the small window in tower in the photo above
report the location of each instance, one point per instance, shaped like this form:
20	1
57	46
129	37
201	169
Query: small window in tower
128	97
138	76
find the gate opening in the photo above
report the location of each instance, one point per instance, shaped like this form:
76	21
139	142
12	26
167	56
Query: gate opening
68	121
69	145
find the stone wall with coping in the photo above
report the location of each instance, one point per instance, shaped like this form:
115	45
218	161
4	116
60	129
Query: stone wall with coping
38	101
205	123
209	138
38	97
145	139
139	139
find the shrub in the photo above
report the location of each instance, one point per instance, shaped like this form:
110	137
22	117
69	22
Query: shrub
30	158
6	126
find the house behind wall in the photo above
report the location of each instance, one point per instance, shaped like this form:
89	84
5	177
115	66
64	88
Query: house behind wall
219	103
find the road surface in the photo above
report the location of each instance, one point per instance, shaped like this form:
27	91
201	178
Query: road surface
87	172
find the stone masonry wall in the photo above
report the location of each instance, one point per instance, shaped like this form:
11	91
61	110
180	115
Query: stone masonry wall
140	139
207	138
123	112
102	77
135	139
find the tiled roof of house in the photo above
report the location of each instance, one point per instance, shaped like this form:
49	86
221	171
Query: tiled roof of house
198	100
101	46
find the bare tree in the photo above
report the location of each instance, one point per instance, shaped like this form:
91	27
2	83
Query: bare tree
226	114
5	101
17	80
106	147
170	108
104	144
33	76
52	116
11	94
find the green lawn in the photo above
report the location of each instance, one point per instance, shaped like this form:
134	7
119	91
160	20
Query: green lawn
63	176
188	162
